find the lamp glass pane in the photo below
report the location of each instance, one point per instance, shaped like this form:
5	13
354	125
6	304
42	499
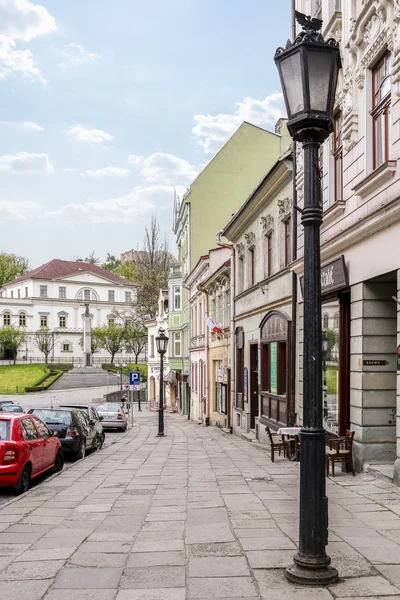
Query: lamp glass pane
319	74
292	81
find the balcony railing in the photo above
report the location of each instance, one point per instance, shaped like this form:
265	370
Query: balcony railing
198	341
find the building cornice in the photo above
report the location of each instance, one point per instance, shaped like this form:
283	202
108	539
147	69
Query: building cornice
264	308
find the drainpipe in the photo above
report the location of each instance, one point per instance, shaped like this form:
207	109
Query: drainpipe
206	342
232	325
292	402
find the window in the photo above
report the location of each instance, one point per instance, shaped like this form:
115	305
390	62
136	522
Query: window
251	278
29	430
86	294
42	428
152	345
128	296
12	294
62	292
66	347
213	309
268	255
22	320
62	321
43	291
177	297
325	321
19	293
338	156
177	343
111	295
111	320
288	252
380	113
336	321
7	319
227	308
219	309
43	321
240	274
26	292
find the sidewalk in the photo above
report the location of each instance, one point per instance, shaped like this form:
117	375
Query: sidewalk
195	515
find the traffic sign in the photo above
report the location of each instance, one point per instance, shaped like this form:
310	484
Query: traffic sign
134	378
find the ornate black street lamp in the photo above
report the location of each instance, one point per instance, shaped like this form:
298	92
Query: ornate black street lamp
162	345
308	70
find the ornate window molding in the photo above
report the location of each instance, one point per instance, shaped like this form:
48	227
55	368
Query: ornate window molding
285	208
240	249
267	223
250	239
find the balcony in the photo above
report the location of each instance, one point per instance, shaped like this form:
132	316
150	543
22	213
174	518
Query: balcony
198	341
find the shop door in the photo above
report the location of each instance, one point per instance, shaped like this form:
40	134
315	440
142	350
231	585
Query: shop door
253	384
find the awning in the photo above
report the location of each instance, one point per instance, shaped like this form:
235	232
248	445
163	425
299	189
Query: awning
171	378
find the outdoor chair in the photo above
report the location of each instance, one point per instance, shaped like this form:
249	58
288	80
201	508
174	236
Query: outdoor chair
297	447
277	443
340	450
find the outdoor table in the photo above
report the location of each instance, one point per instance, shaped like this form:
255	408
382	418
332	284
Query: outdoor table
290	432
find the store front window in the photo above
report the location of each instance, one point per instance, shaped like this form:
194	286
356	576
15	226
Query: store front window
330	365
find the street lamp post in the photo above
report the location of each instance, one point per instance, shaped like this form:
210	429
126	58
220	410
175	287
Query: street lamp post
308	70
121	365
162	344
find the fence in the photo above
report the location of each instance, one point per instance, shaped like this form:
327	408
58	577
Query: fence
77	361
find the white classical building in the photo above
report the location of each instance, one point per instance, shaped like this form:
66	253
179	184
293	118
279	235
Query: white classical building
54	296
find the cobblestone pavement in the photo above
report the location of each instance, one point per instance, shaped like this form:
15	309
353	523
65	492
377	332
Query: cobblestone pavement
195	515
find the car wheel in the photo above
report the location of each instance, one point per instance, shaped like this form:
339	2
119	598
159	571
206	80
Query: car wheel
103	438
82	450
24	480
97	443
59	462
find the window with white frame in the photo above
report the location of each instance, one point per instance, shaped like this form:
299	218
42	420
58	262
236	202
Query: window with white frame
43	320
22	320
177	297
62	321
152	346
62	292
86	294
19	293
111	295
7	319
26	292
177	343
381	110
227	307
128	296
66	347
213	308
240	274
43	291
12	294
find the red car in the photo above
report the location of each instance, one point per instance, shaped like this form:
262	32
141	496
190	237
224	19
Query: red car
27	449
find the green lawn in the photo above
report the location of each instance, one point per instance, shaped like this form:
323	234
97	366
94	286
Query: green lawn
22	376
332	379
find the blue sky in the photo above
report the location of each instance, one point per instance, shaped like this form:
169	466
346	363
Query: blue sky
109	104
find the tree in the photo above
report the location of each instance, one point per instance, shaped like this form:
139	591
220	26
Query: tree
127	269
153	266
11	266
332	337
135	338
96	339
44	340
111	263
113	338
92	259
11	339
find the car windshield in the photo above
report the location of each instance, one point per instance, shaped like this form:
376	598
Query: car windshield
4	430
82	408
54	417
108	407
11	408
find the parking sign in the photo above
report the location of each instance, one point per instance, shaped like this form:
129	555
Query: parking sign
134	380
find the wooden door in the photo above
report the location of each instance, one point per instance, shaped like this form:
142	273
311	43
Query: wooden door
253	384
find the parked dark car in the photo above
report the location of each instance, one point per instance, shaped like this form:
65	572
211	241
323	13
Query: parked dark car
73	428
11	408
27	449
3	402
93	416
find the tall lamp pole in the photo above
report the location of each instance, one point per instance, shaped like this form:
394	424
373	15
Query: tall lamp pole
162	345
308	70
121	366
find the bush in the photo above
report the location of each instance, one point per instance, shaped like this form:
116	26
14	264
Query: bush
45	382
126	370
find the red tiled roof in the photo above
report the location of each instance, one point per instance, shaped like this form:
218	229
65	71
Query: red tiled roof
57	268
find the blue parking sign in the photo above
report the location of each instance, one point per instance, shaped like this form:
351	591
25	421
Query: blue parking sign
134	378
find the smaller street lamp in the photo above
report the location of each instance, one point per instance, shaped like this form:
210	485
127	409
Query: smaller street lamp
121	365
162	345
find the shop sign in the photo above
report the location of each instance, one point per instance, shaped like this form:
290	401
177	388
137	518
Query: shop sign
333	277
375	363
273	351
245	382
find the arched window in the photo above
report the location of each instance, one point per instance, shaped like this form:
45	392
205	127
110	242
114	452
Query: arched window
22	320
325	321
336	321
7	319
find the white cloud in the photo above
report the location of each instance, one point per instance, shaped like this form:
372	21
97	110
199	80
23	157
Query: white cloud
76	55
22	20
24	162
211	132
24	125
106	172
18	211
80	133
134	207
164	168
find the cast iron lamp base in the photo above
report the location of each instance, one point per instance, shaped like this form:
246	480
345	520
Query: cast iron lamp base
160	435
311	574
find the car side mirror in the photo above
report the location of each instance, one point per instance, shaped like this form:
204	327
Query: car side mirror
101	418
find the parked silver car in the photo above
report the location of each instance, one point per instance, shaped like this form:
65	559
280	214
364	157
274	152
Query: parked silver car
113	416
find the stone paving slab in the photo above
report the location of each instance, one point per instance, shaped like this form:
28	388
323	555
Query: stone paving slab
194	515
